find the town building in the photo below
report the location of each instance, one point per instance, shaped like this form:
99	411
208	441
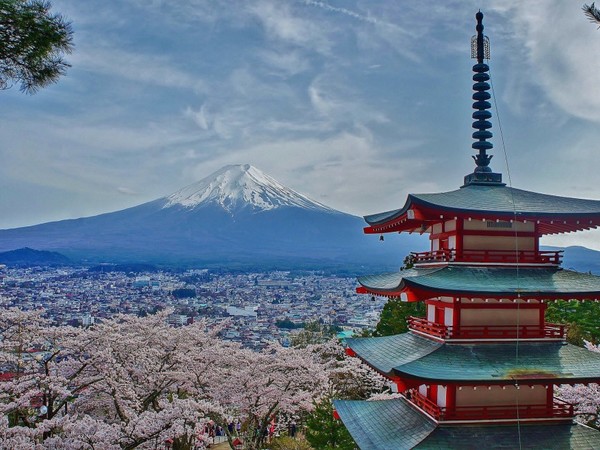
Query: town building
481	369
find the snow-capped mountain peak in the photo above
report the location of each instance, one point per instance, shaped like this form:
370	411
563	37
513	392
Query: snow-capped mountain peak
238	186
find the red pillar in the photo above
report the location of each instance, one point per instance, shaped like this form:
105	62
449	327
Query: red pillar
451	398
459	237
456	316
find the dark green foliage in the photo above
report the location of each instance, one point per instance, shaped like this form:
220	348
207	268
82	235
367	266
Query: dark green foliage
288	324
32	44
324	431
184	293
394	315
592	13
583	319
289	443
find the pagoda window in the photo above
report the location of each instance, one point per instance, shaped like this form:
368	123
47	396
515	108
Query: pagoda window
431	313
451	242
441	396
449	317
450	225
498	226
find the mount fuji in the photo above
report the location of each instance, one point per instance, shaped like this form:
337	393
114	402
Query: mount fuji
238	217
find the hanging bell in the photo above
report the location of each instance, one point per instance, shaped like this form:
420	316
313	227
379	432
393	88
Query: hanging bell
381	237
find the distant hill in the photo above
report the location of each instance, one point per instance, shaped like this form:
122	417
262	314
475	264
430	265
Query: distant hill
582	259
236	218
30	257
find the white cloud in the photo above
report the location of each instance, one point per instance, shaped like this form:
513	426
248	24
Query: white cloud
199	117
153	69
344	11
127	191
556	55
282	24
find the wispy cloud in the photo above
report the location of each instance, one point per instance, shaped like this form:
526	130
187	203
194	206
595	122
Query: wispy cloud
127	191
153	69
344	11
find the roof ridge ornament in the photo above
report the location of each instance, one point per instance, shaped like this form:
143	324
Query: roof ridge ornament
480	49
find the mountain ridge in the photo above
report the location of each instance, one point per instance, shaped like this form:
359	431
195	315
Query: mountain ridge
237	216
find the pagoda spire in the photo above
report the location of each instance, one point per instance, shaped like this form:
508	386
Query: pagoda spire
480	49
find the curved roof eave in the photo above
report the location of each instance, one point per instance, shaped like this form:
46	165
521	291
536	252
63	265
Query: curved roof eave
547	283
539	362
386	216
496	201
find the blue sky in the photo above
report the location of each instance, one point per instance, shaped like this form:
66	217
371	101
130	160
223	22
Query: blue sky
355	103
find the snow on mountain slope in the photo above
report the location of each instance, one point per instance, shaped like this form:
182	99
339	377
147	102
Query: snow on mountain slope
238	186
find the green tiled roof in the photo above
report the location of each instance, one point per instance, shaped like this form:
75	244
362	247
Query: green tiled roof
385	353
495	199
548	361
384	425
561	436
395	425
489	280
409	355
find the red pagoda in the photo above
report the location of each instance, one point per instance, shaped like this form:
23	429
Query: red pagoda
480	370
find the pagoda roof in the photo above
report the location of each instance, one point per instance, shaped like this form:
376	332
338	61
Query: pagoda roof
491	202
386	424
385	353
499	282
409	356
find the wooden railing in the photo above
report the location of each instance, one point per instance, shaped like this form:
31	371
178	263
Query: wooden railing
557	409
548	330
489	256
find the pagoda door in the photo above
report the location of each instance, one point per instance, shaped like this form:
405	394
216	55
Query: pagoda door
440	315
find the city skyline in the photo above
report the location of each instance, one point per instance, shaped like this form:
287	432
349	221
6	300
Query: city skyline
355	104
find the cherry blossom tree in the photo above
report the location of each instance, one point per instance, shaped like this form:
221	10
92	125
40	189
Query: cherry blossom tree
134	382
121	382
32	388
144	384
137	383
262	390
585	397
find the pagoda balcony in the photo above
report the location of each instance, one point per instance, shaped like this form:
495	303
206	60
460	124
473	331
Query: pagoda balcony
489	257
547	331
558	409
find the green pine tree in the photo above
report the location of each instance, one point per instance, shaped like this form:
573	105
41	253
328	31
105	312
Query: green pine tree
582	319
324	432
32	44
394	316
